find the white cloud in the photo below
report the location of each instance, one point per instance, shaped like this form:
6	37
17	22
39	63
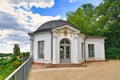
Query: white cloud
29	3
10	37
73	1
4	33
11	13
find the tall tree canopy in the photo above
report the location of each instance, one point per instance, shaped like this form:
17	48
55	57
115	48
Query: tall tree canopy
16	49
87	20
103	19
110	10
82	18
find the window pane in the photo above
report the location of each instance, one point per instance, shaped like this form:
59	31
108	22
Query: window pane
62	50
91	50
67	41
62	42
67	48
67	56
82	50
61	56
41	49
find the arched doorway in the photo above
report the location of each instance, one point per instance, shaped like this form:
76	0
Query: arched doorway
65	51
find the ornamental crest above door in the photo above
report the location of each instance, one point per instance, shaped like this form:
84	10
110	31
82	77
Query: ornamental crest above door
65	32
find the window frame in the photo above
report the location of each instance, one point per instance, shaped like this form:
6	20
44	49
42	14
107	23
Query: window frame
91	50
82	50
41	50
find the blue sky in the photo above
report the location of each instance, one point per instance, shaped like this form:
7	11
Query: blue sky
18	17
61	7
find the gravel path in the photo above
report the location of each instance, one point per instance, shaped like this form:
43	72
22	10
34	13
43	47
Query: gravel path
94	71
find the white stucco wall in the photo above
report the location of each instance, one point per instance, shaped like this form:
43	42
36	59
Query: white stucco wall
80	41
98	48
46	37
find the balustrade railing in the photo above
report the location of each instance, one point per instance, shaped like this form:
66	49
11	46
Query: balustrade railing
21	73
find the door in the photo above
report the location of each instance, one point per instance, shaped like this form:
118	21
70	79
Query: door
65	51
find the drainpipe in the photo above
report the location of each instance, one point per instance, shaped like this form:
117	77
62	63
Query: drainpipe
85	48
51	45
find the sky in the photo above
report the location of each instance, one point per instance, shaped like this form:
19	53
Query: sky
18	17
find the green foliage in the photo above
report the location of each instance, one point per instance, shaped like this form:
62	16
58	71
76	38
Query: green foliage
6	71
26	53
113	57
16	64
1	67
21	55
110	9
103	20
16	49
8	65
24	56
5	55
86	20
14	58
5	61
113	51
5	68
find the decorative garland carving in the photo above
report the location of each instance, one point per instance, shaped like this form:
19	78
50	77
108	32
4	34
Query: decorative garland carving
65	32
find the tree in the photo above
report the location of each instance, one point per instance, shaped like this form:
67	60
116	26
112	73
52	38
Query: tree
86	20
16	49
103	19
80	18
110	9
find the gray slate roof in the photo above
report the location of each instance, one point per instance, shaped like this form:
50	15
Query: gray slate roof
48	26
51	25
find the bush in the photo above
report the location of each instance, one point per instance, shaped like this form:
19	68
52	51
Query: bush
14	58
21	56
26	53
5	55
6	71
112	57
1	59
113	51
1	62
5	61
16	64
1	67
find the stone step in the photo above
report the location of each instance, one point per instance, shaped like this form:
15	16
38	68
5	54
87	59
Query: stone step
64	65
